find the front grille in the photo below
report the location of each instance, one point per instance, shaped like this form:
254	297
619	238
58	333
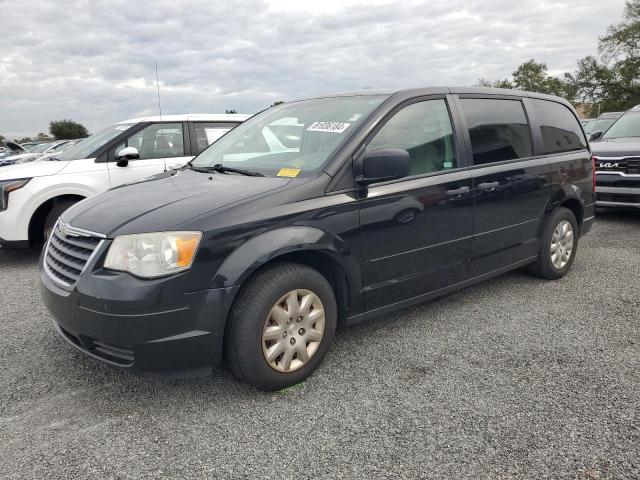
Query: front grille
628	165
119	354
68	252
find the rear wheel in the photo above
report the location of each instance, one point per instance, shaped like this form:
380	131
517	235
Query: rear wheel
53	215
558	246
281	327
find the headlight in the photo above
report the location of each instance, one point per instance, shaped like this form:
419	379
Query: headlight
150	255
8	186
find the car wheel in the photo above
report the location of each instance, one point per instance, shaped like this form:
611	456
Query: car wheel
52	217
406	216
281	326
559	245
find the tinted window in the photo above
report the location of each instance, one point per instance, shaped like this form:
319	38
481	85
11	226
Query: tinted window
160	140
207	133
559	128
424	130
498	129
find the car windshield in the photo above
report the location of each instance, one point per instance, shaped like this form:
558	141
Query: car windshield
40	148
598	125
290	140
628	125
90	144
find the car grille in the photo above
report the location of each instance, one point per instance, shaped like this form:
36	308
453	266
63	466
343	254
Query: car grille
68	252
628	165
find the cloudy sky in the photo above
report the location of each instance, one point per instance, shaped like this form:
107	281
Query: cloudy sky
94	61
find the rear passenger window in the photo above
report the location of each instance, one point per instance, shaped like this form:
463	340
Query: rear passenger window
207	133
559	128
424	130
498	129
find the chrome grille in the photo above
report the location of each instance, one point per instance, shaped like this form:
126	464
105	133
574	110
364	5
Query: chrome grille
628	165
68	251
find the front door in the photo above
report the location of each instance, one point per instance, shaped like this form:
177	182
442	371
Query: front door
157	144
416	231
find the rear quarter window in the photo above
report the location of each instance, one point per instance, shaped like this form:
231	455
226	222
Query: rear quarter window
559	128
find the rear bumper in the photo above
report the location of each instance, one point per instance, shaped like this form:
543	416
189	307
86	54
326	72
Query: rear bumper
173	335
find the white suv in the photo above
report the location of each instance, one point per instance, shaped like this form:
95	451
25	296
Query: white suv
33	195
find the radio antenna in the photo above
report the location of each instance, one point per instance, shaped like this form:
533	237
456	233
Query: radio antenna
158	87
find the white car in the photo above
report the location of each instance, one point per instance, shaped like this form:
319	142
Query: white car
46	149
34	194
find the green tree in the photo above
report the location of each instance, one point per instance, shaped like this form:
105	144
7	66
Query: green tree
42	137
67	129
533	77
231	111
611	79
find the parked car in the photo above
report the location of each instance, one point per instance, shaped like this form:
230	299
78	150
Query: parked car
598	125
260	254
42	150
29	145
35	194
617	159
10	148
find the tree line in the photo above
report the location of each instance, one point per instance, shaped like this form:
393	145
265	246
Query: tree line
607	81
58	130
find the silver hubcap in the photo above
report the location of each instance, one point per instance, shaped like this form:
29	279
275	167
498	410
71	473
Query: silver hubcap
293	330
561	244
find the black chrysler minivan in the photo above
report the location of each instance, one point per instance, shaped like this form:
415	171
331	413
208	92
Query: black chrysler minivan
316	213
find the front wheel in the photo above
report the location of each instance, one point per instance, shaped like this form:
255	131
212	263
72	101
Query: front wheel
53	215
559	245
281	327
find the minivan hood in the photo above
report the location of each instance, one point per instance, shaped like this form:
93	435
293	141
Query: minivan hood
165	200
31	169
618	147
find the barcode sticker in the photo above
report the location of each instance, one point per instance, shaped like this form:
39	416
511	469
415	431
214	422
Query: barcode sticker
332	127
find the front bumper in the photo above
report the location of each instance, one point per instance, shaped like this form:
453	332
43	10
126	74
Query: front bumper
617	190
144	326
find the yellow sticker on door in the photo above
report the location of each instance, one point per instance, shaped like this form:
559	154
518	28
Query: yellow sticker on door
288	172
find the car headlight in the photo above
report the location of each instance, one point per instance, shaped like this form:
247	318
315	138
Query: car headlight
8	186
150	255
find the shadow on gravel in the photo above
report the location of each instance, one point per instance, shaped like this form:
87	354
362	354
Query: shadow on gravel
630	215
18	258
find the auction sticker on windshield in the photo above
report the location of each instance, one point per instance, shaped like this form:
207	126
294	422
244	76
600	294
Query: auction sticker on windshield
288	172
333	127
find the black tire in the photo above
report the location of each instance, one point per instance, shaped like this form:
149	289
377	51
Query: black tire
544	266
52	217
243	340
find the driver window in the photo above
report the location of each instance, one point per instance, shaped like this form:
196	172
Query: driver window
161	140
424	130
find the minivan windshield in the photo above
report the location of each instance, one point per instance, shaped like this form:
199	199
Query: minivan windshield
290	140
628	125
86	147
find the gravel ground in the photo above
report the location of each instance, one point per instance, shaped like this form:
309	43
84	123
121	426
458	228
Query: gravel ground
514	378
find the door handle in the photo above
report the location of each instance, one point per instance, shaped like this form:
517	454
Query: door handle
458	191
488	186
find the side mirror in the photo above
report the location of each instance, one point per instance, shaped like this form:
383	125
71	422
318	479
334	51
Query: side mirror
595	136
383	165
126	154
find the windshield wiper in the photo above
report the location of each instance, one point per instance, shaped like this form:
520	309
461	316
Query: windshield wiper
222	169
